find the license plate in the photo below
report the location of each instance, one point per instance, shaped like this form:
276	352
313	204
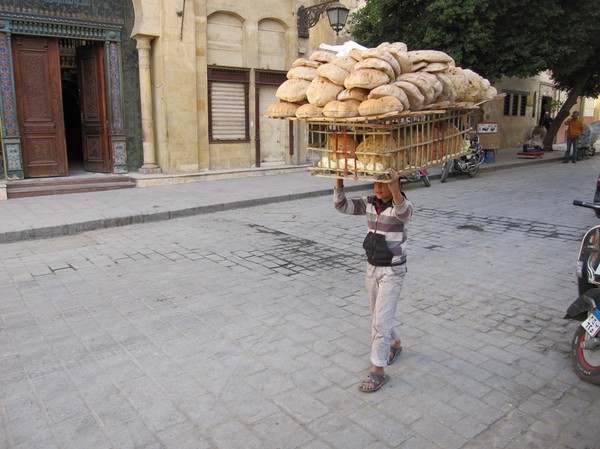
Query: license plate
592	324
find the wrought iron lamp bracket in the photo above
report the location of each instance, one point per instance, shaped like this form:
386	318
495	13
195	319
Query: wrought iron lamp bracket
309	16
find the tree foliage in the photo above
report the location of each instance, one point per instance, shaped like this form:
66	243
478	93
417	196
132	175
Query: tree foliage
495	38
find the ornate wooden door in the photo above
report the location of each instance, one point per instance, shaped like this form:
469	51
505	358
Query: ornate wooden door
92	97
39	103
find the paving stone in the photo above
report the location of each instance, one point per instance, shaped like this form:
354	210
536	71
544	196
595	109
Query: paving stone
248	328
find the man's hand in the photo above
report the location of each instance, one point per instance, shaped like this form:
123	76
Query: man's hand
339	183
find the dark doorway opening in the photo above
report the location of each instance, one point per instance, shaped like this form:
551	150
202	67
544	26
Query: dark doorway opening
72	116
71	103
546	106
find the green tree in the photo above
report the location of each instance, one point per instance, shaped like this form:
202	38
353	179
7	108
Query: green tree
495	38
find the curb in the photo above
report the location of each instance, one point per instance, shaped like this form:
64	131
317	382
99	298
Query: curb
113	222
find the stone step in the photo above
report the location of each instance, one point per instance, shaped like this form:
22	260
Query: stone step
59	186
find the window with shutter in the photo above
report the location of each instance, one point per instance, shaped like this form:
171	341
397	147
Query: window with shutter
228	105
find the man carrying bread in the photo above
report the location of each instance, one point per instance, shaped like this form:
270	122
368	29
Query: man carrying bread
388	212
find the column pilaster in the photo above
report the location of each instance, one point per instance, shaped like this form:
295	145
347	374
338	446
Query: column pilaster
146	98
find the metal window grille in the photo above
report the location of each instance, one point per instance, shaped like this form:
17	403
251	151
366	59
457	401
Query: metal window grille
515	104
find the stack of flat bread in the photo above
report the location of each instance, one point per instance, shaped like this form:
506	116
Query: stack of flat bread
376	81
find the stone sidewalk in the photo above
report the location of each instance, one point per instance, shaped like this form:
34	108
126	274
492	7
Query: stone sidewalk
51	216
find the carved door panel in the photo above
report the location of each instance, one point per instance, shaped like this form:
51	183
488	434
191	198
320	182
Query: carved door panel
90	62
39	103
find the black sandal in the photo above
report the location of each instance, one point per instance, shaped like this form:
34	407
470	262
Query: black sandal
394	352
373	382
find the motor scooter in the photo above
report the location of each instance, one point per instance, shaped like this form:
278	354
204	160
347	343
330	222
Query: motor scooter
420	175
585	346
586	144
467	164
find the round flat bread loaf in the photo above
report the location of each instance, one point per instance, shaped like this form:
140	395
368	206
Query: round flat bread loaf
475	90
448	90
390	90
429	56
282	109
309	111
333	73
447	141
432	81
301	62
429	95
341	109
402	58
302	72
345	62
341	145
418	65
377	143
437	87
378	64
355	93
293	90
378	106
356	54
370	150
435	67
485	83
415	97
439	105
401	46
490	93
424	82
460	82
322	56
386	56
366	79
321	91
415	151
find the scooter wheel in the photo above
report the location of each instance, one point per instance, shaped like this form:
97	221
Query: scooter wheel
426	181
585	361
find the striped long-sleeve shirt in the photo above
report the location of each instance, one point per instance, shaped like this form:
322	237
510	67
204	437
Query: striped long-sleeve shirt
385	244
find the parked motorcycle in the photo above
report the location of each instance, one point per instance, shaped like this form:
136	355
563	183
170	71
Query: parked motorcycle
420	175
585	346
467	164
586	146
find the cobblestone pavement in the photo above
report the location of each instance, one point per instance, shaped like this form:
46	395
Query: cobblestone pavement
249	328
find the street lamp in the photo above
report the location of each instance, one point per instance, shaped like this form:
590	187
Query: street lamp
308	17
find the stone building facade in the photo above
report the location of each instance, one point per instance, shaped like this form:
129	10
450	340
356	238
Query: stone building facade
208	71
525	102
159	86
172	86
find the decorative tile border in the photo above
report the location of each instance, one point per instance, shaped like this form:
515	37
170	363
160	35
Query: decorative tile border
2	167
116	98
13	157
119	148
119	152
8	109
